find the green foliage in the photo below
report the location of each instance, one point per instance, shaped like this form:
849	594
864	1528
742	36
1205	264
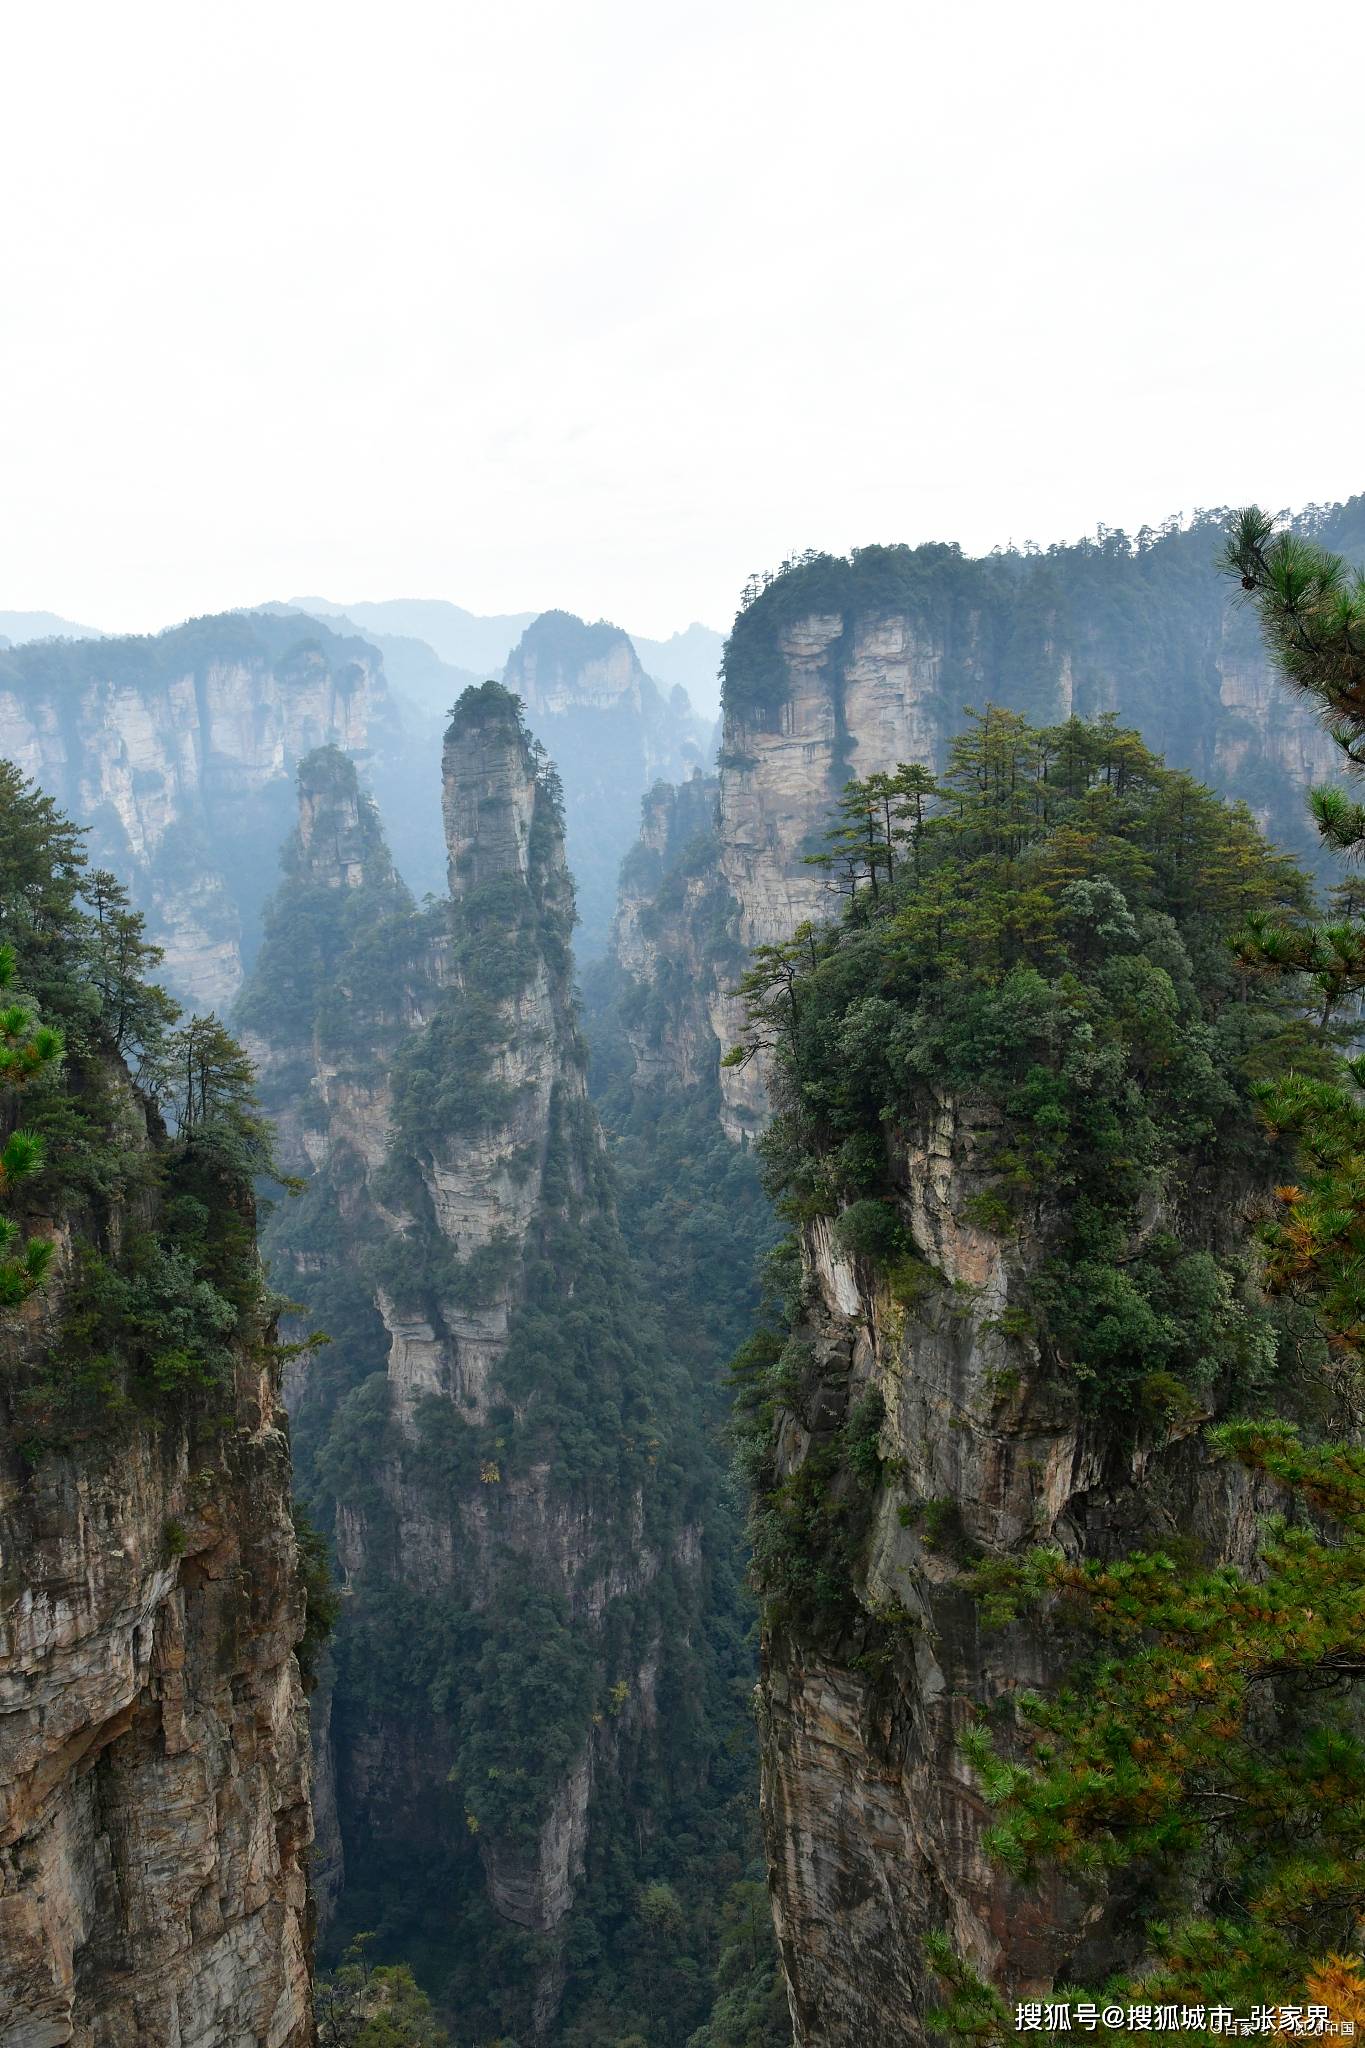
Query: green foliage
1214	1744
1312	611
871	1230
750	2008
361	2005
28	1050
878	825
164	1285
1312	614
135	1012
1055	963
807	1529
136	1331
207	1083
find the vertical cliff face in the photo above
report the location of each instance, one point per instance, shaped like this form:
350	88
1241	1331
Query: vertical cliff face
674	934
154	1780
875	1823
612	733
493	1434
179	752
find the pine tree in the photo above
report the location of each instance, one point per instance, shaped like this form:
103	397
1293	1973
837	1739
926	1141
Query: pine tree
201	1074
136	1013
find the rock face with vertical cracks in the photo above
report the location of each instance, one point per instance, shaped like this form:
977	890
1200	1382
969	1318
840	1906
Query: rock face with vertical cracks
873	1821
154	1783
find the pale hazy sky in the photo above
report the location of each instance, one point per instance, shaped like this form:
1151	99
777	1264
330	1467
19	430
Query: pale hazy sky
605	305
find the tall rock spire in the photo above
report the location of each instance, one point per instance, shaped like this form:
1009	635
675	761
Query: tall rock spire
495	1436
340	841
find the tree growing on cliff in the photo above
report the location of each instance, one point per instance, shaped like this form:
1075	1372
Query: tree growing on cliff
875	820
1213	1745
206	1082
136	1012
165	1289
768	990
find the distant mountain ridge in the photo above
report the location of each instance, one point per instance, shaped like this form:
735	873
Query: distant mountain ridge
467	640
18	627
483	644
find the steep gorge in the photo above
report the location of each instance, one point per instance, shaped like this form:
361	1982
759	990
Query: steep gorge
505	1451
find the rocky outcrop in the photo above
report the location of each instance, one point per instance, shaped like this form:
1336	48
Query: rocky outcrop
612	733
874	1821
154	1782
179	751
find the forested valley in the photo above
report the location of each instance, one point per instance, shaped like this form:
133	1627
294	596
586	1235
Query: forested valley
782	1469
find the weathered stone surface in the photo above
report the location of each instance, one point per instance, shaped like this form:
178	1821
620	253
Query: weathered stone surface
873	1823
154	1783
671	949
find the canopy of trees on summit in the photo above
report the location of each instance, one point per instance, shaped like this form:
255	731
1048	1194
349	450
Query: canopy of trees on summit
1049	942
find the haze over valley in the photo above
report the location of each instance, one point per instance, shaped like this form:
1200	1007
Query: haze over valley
682	1267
